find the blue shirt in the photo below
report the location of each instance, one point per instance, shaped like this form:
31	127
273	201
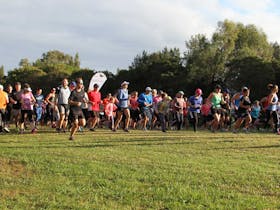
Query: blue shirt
144	98
39	100
123	98
255	112
197	102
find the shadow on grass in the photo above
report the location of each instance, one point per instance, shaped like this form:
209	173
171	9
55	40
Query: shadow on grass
249	147
63	145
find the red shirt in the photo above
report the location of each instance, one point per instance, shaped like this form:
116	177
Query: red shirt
133	103
94	97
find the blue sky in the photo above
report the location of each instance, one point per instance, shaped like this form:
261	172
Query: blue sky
108	34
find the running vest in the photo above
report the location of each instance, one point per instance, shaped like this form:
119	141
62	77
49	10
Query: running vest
216	100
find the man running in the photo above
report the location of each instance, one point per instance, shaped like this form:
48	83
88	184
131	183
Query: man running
76	99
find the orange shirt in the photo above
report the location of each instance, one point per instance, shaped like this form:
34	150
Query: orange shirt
3	99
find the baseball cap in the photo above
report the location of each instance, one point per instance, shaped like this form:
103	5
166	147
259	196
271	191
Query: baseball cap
148	89
73	83
125	83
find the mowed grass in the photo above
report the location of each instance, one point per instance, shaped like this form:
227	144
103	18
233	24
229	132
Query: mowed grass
140	170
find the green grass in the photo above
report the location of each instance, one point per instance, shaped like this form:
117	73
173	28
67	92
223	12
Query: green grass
140	170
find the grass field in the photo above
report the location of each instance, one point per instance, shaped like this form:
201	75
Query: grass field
140	170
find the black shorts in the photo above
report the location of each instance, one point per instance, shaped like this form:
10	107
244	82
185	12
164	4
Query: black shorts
135	114
216	110
243	114
76	115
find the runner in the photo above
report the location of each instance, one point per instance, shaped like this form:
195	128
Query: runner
94	97
178	109
16	106
195	103
145	101
226	111
162	110
216	99
109	109
134	109
38	106
123	106
52	109
9	91
271	110
63	106
27	103
4	100
243	112
76	99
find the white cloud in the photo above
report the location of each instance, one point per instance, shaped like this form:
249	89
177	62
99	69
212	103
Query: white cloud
108	34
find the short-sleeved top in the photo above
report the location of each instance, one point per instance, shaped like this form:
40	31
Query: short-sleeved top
77	97
26	99
255	113
196	102
16	96
133	103
3	99
63	95
145	98
39	100
122	96
95	97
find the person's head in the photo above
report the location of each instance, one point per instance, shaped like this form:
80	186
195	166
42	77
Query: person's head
65	82
112	99
109	95
198	92
1	88
27	89
124	84
148	90
80	83
9	88
218	88
18	86
226	91
180	94
95	86
53	90
154	92
39	91
274	89
246	91
256	103
134	94
72	85
269	86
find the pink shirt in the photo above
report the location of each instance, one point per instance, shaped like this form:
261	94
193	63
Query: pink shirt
95	98
27	101
133	103
109	109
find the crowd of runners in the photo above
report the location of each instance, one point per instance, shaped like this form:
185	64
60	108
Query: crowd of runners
70	108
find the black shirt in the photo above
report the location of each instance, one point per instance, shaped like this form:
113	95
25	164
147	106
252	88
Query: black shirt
77	97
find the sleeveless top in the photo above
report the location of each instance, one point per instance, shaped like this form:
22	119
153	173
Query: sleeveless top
216	100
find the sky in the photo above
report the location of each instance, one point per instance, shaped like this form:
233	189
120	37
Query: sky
108	34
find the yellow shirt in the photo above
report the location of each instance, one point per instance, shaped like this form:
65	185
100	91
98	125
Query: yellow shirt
3	99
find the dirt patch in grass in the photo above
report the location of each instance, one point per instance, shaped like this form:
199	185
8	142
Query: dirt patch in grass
12	168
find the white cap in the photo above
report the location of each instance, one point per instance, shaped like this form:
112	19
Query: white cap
148	89
125	83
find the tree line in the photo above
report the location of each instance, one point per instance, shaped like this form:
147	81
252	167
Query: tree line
235	55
